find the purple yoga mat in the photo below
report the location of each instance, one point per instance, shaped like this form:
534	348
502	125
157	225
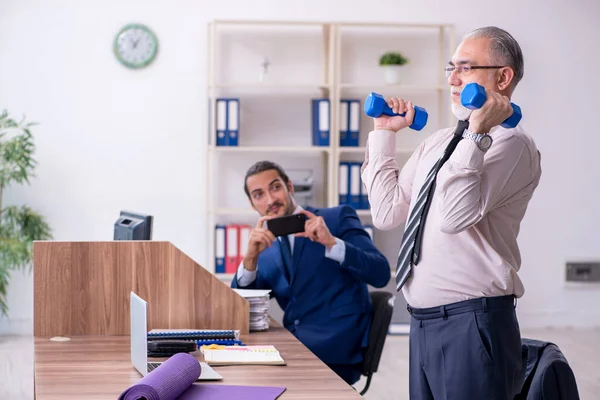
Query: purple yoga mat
166	382
173	380
227	392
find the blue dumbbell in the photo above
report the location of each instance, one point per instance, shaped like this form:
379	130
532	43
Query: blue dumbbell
473	97
375	105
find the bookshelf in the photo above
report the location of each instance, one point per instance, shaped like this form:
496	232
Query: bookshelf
311	59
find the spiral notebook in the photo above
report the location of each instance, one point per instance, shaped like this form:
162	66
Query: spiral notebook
193	334
242	355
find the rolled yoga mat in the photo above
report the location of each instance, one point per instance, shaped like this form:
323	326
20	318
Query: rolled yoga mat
168	381
174	379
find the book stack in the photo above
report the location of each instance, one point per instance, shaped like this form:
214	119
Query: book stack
259	307
200	336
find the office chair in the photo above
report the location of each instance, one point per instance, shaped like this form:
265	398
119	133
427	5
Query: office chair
383	306
548	375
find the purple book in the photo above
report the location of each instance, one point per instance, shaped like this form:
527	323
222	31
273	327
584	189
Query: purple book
174	379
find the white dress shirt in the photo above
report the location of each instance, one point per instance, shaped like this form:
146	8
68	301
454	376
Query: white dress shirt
337	253
469	245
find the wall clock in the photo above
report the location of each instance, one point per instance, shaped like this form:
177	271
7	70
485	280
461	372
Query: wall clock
135	46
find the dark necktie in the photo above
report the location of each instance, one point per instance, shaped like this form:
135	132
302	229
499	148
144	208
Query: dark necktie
286	254
413	232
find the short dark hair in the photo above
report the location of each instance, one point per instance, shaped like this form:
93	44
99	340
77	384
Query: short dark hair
262	166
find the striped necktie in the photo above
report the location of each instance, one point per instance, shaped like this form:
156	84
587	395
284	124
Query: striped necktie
413	232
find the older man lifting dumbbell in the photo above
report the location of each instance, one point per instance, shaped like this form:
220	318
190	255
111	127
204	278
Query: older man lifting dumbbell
375	106
460	199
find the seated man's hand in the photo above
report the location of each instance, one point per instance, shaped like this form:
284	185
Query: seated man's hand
260	238
316	230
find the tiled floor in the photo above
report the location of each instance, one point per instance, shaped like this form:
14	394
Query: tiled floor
581	348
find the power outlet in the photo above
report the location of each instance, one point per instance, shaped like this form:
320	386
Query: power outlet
583	272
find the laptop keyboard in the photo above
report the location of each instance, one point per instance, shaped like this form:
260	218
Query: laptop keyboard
153	365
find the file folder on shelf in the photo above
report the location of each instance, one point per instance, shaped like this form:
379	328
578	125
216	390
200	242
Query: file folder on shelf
344	115
228	121
232	248
352	190
320	122
231	244
355	183
220	249
344	183
233	121
354	123
221	122
349	122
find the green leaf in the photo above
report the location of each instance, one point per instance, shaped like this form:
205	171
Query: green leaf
4	278
20	226
16	152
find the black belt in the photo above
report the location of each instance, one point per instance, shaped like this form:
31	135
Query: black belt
479	304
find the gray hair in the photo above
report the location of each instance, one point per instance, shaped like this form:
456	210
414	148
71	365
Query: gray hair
504	49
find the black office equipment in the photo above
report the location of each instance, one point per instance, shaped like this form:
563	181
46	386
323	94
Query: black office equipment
133	226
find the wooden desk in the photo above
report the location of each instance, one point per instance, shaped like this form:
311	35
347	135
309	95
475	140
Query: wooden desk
99	367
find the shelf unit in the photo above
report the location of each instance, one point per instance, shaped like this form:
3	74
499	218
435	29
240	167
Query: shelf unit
432	46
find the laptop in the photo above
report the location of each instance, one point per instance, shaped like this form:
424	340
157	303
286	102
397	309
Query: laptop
138	309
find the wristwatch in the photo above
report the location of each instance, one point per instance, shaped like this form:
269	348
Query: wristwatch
482	140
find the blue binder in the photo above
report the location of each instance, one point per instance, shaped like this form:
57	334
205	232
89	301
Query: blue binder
344	122
228	121
233	121
221	122
354	183
220	249
354	123
344	176
349	122
320	122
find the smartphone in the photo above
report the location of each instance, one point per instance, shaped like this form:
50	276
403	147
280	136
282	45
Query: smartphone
287	225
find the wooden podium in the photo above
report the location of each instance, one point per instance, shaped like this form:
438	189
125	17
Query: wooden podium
82	288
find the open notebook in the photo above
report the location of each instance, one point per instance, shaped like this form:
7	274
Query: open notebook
242	355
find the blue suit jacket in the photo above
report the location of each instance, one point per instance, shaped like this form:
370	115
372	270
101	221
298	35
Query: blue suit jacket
548	375
326	304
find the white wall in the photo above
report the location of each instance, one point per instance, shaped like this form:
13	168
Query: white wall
111	138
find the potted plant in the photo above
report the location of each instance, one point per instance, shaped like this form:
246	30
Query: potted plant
19	225
392	62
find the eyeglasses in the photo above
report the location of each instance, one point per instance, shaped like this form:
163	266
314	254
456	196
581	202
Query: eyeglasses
466	70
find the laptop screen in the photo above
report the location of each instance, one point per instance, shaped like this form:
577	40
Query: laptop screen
139	328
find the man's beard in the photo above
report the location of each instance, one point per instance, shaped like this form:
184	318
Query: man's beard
461	112
291	206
